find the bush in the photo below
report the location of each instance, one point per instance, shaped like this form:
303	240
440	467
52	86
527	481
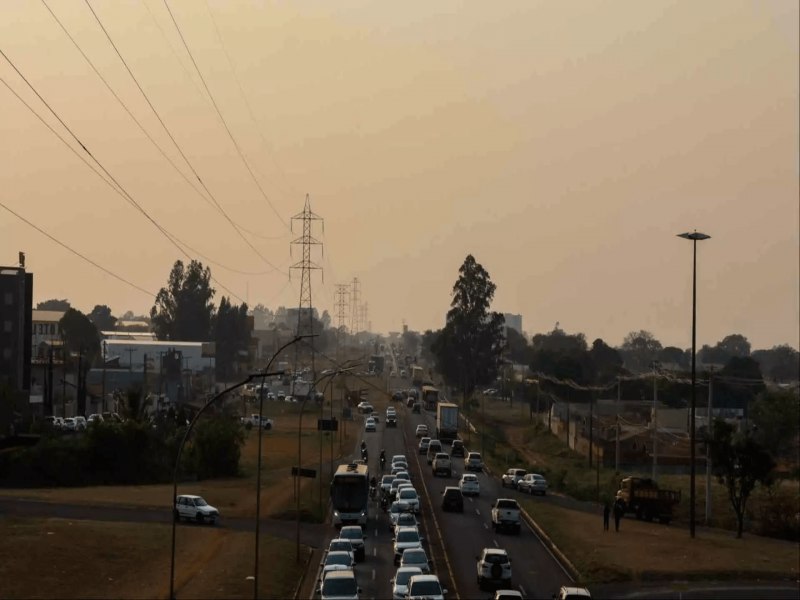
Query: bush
779	512
216	448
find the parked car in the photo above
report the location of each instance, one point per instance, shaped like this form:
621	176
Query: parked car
69	424
422	430
452	499
494	566
511	477
254	420
457	448
469	485
473	462
533	483
194	508
80	423
425	587
94	418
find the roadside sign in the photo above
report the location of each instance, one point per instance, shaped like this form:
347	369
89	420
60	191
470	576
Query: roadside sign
327	424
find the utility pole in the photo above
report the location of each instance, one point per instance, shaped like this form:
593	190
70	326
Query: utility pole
103	402
144	375
655	419
49	382
591	426
305	264
130	352
160	379
709	433
616	427
81	409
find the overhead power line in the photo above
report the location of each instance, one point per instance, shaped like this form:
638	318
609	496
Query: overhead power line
224	122
175	143
78	254
116	186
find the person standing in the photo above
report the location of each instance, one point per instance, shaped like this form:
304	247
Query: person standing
606	514
618	510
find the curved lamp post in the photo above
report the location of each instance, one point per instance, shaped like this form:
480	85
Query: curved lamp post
695	236
263	374
331	377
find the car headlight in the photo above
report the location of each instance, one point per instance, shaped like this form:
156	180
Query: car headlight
335	513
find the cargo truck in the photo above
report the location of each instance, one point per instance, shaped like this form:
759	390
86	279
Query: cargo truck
646	500
446	421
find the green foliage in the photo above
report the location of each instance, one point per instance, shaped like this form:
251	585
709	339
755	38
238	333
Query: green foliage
232	336
80	335
53	304
102	318
777	514
780	363
776	415
216	448
184	309
468	348
640	349
739	462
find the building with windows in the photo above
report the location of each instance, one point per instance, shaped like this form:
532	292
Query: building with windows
16	301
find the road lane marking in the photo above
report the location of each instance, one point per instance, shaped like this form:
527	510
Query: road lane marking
477	512
485	526
374	552
522	589
373	574
376	531
496	545
470	499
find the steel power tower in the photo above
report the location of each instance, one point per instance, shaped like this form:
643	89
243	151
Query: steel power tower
354	298
341	302
305	326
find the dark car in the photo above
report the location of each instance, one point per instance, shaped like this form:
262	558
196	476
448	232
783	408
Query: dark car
391	421
452	499
457	448
410	401
417	408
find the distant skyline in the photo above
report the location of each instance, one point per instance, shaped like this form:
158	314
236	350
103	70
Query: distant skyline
564	145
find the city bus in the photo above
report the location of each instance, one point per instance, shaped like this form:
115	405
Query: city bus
430	397
350	495
417	375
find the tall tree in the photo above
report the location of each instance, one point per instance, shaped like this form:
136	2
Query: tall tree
606	362
780	363
517	348
561	355
639	350
53	304
232	338
102	318
469	346
676	356
740	462
184	309
80	338
776	415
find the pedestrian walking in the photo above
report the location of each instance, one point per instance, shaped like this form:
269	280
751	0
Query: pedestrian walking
606	514
618	510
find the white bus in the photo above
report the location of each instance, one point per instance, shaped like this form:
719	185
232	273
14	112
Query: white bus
350	495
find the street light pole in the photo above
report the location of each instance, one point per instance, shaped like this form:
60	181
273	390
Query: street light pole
695	237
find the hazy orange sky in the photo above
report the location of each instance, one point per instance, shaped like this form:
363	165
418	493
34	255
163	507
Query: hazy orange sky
563	144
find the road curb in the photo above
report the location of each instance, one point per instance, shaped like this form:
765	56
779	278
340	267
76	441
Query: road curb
566	563
302	580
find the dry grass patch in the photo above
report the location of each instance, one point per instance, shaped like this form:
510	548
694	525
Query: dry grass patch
57	558
646	551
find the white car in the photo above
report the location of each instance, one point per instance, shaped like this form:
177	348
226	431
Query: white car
410	496
469	485
533	483
494	566
194	508
423	445
512	477
69	424
337	560
422	430
572	593
386	484
94	418
341	544
406	519
369	425
399	466
399	458
425	587
355	534
340	585
416	557
405	538
396	509
400	581
80	423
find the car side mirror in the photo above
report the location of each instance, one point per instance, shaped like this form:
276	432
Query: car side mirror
444	590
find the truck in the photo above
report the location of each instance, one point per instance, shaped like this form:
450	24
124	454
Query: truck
506	515
446	421
254	419
643	497
417	375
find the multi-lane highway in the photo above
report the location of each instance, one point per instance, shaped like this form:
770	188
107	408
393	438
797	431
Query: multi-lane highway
452	540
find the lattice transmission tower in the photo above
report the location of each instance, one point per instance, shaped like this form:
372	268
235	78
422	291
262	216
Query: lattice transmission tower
341	302
355	296
305	311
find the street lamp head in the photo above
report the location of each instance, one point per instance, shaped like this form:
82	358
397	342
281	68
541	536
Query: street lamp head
695	235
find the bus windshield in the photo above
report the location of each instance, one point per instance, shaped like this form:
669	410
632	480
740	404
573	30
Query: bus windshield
349	493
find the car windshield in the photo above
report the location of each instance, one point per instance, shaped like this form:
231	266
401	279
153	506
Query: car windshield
387	479
469	478
407	536
339	586
415	557
403	576
338	558
406	519
496	559
344	545
408	494
399	507
200	502
425	588
352	534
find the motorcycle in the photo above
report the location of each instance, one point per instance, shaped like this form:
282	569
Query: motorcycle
383	463
373	490
364	455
